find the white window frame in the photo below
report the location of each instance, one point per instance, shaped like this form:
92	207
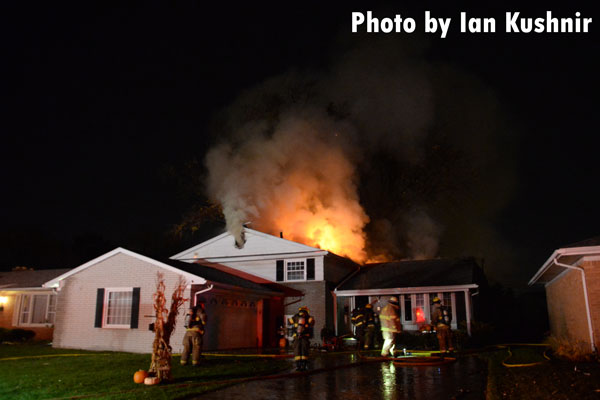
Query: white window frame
286	270
107	292
48	310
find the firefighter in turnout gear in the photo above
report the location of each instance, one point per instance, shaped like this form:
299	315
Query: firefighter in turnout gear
358	320
390	326
370	327
195	322
302	327
440	319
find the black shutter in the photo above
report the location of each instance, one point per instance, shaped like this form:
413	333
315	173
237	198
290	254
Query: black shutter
279	276
310	269
135	308
99	308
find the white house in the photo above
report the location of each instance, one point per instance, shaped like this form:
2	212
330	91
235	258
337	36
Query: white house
311	271
332	286
107	304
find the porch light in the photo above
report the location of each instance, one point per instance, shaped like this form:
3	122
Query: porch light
3	301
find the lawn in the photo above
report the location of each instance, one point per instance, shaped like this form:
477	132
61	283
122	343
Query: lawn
38	371
551	379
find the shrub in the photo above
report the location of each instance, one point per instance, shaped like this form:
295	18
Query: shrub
4	334
15	335
572	351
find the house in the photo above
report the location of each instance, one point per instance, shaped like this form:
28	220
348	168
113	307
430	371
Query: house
311	272
415	284
107	304
571	276
25	304
332	285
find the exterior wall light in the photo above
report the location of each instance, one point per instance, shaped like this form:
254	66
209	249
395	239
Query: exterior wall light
3	301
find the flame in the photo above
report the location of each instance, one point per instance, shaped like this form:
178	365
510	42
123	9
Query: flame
297	181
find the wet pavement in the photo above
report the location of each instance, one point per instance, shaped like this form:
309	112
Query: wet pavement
463	379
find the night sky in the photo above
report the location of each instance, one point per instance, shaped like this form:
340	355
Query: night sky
104	107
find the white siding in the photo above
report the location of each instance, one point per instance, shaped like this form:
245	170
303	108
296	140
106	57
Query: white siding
267	268
76	308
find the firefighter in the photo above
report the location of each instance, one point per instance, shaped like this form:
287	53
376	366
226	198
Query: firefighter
390	326
302	327
358	320
440	319
195	322
370	326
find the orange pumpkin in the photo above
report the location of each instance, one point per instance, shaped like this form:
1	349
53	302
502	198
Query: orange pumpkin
139	376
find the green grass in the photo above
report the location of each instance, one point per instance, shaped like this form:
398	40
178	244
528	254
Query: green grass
109	375
554	379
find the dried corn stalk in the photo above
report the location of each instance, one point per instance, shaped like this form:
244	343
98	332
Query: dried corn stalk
164	326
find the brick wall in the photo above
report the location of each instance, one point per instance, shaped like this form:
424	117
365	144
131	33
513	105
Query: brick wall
566	308
592	277
315	299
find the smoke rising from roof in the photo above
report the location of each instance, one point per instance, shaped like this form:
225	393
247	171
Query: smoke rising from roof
405	151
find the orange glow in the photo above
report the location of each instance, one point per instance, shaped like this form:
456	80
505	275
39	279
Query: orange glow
420	315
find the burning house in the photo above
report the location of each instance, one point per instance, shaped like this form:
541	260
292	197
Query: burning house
331	286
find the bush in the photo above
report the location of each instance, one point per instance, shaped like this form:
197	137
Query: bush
16	335
417	341
3	334
482	334
572	351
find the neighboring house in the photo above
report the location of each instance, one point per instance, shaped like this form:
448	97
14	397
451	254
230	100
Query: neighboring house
313	272
107	304
415	284
571	276
25	304
332	286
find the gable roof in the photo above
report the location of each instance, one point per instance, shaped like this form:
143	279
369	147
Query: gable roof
568	255
415	274
258	245
191	278
216	275
28	278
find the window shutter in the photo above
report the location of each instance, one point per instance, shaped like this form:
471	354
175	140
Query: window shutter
310	269
279	275
99	308
135	308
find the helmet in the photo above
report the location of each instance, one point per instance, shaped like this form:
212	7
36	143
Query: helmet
369	305
393	300
303	308
436	300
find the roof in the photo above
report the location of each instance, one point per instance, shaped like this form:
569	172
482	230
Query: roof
28	278
412	274
595	241
215	275
258	245
565	258
191	278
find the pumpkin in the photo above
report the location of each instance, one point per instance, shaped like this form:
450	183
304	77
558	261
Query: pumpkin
151	380
139	376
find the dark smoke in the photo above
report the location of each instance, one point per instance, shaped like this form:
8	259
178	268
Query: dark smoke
427	142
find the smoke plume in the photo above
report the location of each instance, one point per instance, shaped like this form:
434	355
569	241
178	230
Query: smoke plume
383	156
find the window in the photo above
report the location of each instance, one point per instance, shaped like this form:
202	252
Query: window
420	307
407	307
447	302
118	307
295	271
37	309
